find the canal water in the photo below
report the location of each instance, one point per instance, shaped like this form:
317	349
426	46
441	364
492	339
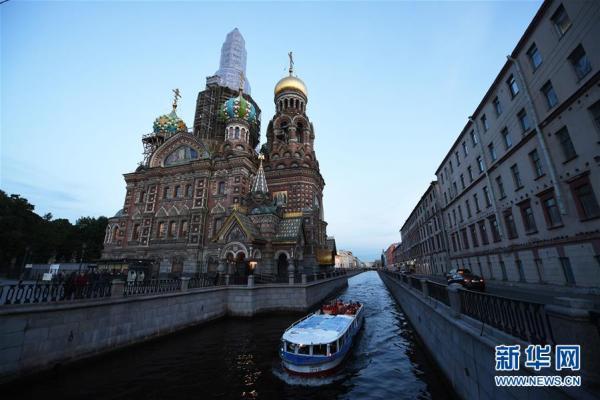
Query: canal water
237	358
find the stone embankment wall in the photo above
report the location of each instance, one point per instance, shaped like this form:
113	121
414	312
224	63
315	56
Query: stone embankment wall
464	349
38	336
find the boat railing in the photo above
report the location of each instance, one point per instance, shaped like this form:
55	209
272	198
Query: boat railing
297	322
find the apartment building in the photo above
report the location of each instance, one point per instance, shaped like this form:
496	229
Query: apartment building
519	188
424	246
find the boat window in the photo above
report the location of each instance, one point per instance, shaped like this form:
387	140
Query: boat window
333	347
319	350
290	347
303	349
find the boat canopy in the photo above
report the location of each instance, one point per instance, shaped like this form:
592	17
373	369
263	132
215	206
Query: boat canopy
318	329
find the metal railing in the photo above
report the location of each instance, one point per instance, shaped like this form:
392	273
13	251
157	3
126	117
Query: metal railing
416	284
151	287
438	292
523	319
32	293
203	280
37	292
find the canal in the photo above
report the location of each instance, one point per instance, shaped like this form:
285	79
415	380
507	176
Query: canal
237	358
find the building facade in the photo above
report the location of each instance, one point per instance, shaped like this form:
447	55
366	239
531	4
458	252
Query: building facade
424	246
345	259
519	188
206	201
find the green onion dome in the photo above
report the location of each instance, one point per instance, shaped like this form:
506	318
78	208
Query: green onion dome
238	108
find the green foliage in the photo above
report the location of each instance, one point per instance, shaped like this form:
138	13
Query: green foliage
25	237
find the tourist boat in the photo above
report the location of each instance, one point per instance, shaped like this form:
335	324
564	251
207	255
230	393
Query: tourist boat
319	342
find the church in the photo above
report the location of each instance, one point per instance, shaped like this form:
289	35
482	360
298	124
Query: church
207	200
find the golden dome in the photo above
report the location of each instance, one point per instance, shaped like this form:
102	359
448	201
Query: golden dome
291	83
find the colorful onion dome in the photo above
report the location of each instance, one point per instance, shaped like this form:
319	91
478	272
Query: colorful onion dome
238	108
291	83
169	124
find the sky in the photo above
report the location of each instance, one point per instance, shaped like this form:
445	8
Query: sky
390	86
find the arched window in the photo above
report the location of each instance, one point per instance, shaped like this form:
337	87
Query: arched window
286	103
237	132
177	192
188	190
221	189
115	233
166	192
181	155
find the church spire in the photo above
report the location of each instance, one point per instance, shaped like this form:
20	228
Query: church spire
260	183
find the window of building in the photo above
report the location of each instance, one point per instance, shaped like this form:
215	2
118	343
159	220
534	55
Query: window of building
466	151
539	266
455	188
484	122
519	265
483	233
500	186
561	21
470	171
454	216
565	263
177	192
496	236
528	218
536	163
595	112
221	188
566	144
451	167
465	238
516	177
480	164
506	138
136	232
580	62
166	192
497	106
549	94
456	158
462	181
486	196
162	230
492	151
476	201
511	228
184	229
188	190
473	138
585	199
468	207
512	85
535	58
503	270
524	120
172	229
551	212
217	225
460	213
141	196
474	236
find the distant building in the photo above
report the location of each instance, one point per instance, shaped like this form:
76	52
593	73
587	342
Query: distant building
519	188
345	259
388	255
424	248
